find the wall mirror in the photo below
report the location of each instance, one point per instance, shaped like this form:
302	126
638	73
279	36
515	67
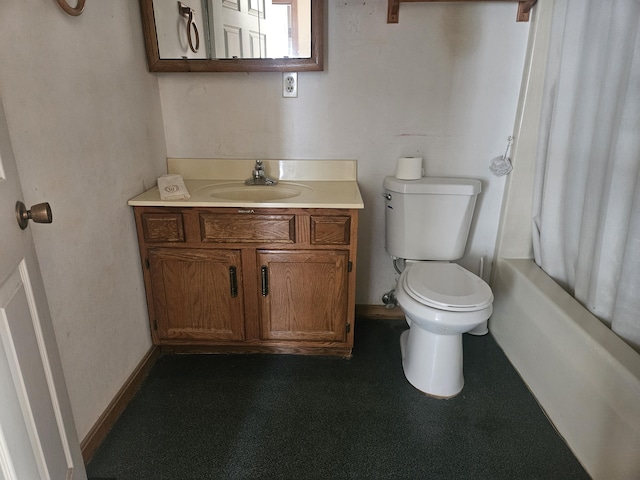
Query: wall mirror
233	35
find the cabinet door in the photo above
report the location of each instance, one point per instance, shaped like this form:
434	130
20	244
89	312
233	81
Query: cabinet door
304	295
197	294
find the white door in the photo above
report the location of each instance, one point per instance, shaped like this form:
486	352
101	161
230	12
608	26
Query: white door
37	434
236	28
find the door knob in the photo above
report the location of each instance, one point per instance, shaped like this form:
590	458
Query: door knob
40	213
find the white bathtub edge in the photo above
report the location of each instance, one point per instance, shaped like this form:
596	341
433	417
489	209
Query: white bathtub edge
585	378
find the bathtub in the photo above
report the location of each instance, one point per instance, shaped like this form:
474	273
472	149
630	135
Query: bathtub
585	378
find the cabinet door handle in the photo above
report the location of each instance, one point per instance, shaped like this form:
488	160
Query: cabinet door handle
264	272
233	280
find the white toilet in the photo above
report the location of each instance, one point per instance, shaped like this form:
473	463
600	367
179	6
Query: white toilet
427	224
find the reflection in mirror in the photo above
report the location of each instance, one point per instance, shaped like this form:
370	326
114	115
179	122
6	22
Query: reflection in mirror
259	28
174	28
234	35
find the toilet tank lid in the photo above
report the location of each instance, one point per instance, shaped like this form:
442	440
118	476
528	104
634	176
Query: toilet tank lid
434	185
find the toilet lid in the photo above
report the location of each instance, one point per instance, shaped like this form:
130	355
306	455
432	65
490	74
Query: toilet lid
447	286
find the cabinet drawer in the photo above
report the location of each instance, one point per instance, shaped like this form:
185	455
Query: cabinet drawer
330	230
162	227
247	228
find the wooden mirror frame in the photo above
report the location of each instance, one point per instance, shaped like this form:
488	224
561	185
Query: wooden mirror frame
157	64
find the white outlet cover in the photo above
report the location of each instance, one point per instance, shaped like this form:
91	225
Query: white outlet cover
289	84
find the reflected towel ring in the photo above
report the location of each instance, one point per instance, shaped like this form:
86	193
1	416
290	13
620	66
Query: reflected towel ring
70	10
188	12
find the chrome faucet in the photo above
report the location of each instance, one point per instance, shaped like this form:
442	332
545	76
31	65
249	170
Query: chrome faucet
258	177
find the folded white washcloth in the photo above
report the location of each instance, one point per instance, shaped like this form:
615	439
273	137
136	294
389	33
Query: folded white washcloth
172	188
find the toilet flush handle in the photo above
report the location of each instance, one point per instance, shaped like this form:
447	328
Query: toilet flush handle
387	196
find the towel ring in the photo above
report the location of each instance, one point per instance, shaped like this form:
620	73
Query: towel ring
74	12
188	12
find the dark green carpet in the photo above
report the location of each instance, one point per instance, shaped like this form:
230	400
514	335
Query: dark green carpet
297	417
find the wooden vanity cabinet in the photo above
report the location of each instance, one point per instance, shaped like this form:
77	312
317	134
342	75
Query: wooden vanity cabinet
249	280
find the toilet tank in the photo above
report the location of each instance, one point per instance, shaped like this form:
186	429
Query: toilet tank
429	218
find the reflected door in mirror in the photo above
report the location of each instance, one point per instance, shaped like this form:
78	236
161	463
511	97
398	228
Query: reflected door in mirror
235	27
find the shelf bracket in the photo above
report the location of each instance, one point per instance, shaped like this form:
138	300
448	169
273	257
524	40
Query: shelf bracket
393	11
524	8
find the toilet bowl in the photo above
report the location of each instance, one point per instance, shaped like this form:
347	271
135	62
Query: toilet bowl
441	301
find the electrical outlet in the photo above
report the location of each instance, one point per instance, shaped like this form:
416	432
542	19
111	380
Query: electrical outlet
289	84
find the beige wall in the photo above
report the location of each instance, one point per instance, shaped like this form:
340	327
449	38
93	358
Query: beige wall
442	84
86	128
86	121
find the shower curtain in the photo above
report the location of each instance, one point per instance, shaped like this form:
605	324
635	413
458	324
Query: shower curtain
586	212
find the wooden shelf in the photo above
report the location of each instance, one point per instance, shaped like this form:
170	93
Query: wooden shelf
524	7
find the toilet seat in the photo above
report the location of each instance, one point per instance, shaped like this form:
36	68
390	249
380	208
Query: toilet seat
446	286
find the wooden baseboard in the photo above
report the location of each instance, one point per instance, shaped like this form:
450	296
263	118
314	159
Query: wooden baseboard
379	312
113	411
253	348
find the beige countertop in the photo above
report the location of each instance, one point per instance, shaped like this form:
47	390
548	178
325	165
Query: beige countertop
302	184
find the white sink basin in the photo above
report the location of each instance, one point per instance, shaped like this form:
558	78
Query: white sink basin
253	193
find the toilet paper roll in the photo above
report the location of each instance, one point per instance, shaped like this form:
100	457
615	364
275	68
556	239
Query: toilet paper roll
409	168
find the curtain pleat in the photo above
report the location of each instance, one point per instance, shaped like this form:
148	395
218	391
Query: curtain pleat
586	209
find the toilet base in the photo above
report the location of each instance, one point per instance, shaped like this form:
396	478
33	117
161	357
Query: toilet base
432	363
480	330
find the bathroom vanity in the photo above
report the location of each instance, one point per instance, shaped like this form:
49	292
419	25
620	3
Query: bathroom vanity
252	268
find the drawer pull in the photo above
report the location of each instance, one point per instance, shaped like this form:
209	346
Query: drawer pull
233	280
264	272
